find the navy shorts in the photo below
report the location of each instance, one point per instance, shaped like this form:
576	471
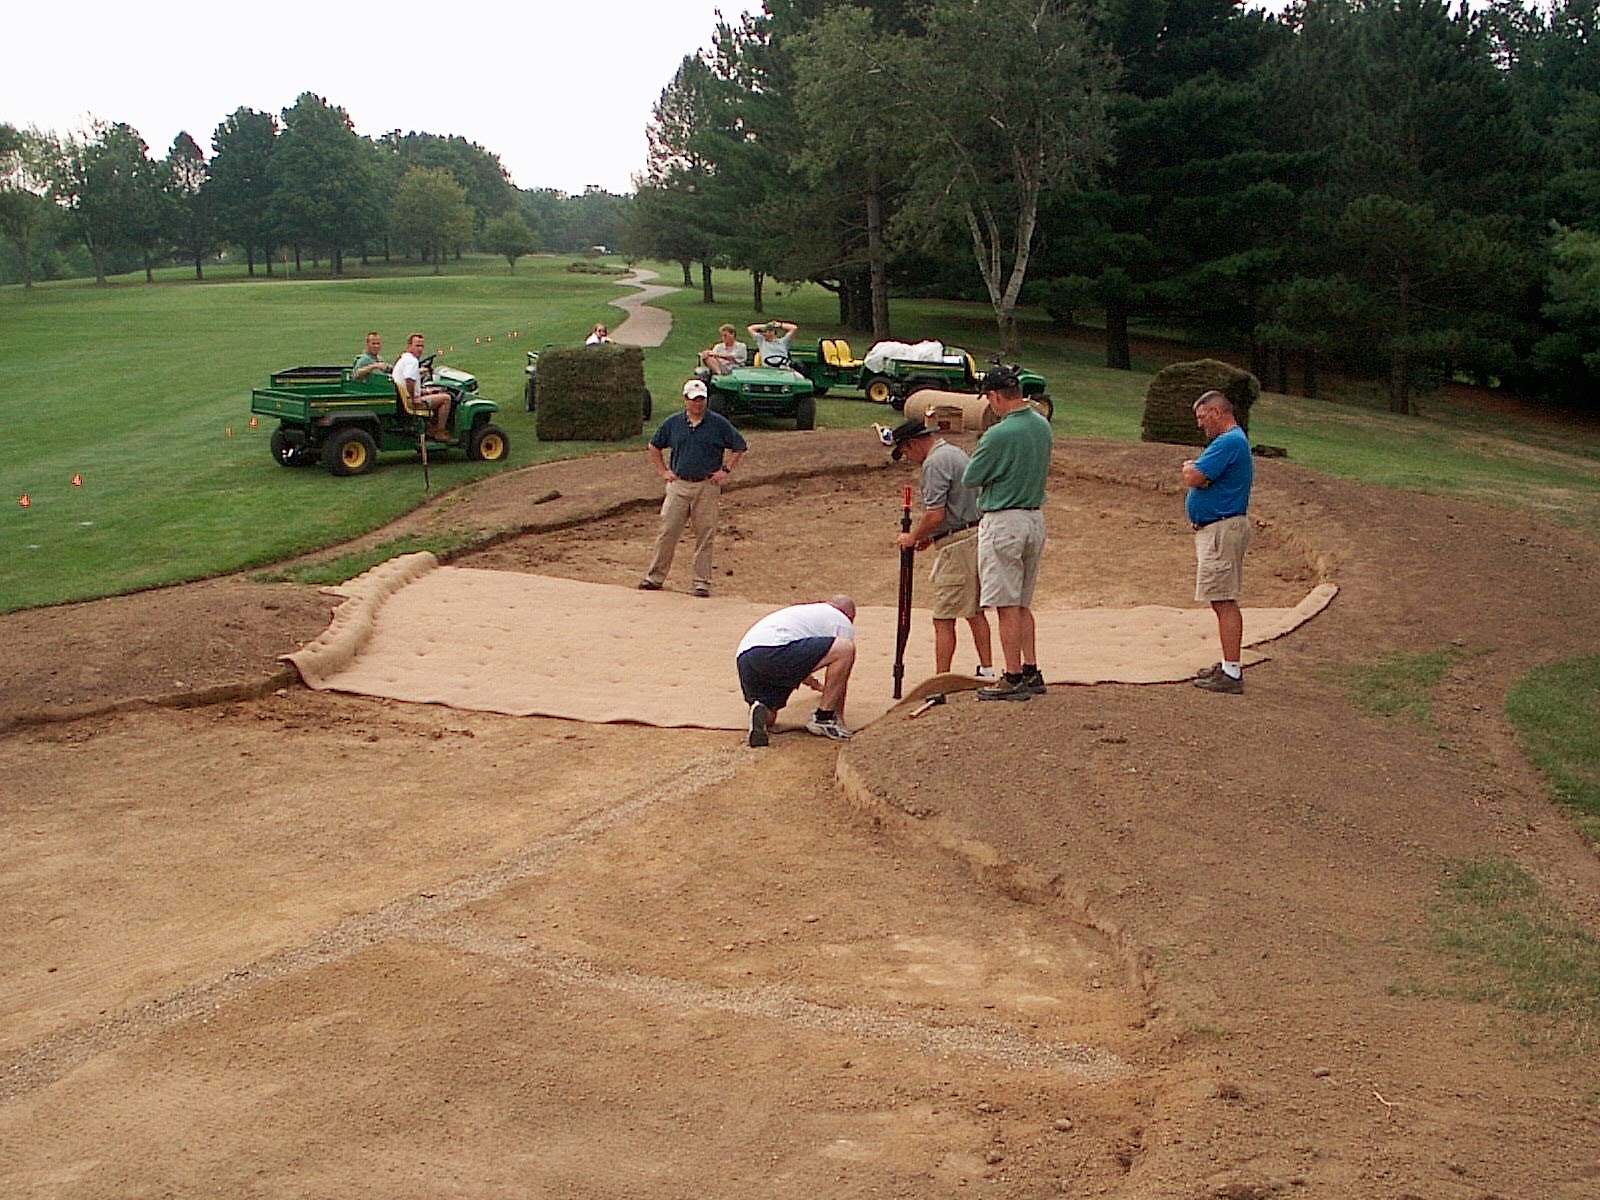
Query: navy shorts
770	674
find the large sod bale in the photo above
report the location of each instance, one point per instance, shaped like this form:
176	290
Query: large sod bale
590	393
1169	402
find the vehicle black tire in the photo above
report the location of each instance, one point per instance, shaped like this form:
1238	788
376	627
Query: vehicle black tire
1044	404
718	404
350	452
649	405
819	392
878	390
897	402
805	413
288	453
530	393
488	443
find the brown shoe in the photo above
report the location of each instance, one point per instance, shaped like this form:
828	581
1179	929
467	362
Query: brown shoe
1221	681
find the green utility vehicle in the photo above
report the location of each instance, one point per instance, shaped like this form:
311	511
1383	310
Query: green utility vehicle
762	392
832	364
326	416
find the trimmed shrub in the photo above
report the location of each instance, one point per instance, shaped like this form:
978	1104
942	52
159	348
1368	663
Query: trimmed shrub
591	393
1169	403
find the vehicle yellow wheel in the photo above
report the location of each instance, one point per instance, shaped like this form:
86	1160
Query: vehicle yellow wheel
349	452
878	390
488	443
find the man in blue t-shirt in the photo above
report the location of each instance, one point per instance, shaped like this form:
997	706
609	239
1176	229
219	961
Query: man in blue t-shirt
1219	497
694	475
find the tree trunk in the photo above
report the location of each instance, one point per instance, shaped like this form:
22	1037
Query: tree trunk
1308	375
1117	356
688	280
250	262
26	246
199	273
149	274
758	280
297	267
1400	383
1005	319
336	260
99	257
877	259
855	297
1280	370
707	295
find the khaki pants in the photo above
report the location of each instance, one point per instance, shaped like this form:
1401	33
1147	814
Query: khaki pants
694	505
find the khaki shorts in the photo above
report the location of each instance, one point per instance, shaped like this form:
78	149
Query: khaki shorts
955	576
1219	558
1010	544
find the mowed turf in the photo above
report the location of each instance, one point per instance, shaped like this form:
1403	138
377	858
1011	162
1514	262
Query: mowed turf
134	388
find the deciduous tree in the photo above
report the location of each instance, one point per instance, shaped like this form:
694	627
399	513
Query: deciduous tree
239	187
508	235
1020	106
430	212
28	162
195	229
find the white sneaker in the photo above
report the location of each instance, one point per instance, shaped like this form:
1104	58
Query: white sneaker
985	673
830	728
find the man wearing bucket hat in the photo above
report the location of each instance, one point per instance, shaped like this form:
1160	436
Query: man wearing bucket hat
772	341
1009	470
949	521
694	473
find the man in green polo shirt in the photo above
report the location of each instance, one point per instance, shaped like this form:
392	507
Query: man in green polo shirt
1009	469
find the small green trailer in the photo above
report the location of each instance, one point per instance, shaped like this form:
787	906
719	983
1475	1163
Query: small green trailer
324	415
832	364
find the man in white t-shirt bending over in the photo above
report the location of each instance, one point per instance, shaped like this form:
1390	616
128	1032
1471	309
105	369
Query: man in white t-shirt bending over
784	650
407	373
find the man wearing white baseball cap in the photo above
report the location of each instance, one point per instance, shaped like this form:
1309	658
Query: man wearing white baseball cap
694	473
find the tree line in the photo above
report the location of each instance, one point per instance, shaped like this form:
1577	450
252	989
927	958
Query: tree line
1407	189
280	187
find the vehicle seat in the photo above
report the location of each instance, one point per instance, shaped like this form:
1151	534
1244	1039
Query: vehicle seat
407	408
837	353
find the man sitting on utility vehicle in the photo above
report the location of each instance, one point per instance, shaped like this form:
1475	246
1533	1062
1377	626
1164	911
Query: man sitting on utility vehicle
371	359
772	342
728	353
407	375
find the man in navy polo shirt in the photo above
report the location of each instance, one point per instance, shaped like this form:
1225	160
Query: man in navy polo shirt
694	475
1219	496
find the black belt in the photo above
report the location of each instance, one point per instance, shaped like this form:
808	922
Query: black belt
1198	526
944	533
686	479
1014	508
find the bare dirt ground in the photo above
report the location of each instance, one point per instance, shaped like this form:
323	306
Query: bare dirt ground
1119	941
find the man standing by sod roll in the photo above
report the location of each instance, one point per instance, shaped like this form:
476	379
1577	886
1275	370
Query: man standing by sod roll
949	522
694	476
1219	484
1009	470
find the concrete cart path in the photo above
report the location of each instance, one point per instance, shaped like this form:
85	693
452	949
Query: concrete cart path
644	325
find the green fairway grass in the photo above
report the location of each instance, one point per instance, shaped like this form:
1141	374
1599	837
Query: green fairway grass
134	388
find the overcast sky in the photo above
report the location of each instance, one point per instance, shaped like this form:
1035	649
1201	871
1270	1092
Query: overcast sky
561	91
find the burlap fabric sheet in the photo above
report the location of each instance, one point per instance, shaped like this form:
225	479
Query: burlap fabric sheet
531	645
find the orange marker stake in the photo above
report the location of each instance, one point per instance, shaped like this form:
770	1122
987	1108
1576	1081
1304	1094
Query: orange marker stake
255	423
24	501
77	480
230	430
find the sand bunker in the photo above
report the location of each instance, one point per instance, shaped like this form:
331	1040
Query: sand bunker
532	645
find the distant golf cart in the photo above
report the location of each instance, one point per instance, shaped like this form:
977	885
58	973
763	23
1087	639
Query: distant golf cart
891	380
762	392
530	386
324	415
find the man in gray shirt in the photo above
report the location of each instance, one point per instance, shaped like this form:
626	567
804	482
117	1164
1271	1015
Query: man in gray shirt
949	521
